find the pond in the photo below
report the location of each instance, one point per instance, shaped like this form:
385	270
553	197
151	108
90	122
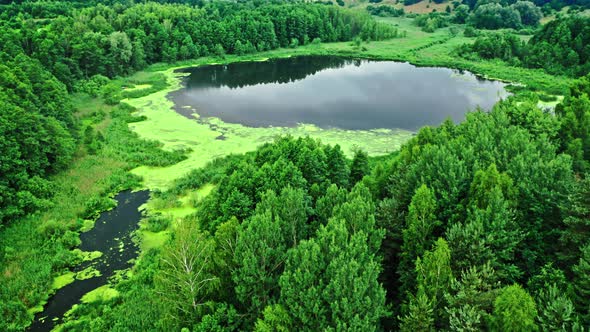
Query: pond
111	235
333	92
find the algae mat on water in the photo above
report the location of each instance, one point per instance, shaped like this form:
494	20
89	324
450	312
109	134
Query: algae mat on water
212	138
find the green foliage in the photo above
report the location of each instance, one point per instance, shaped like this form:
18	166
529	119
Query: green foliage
577	221
117	40
503	46
465	319
514	310
561	47
431	22
36	125
418	234
434	275
471	298
493	16
470	31
295	248
527	159
331	281
530	14
259	256
574	115
157	223
276	319
359	167
490	234
123	144
137	307
526	114
556	311
385	11
186	278
420	315
581	284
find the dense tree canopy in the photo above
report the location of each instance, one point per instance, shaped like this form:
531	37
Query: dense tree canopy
560	47
36	124
117	40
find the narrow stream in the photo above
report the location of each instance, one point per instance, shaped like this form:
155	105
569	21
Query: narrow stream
111	235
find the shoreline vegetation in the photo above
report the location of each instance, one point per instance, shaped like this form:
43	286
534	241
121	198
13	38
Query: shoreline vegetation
142	119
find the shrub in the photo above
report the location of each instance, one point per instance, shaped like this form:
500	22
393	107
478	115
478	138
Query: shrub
158	223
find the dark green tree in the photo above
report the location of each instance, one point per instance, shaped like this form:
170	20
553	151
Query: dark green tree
417	236
259	258
359	166
581	285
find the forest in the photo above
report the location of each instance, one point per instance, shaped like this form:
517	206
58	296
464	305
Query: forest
481	225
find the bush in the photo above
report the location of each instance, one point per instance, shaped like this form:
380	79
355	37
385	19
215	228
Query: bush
385	11
219	51
70	239
158	223
51	228
431	22
504	46
97	204
92	86
470	32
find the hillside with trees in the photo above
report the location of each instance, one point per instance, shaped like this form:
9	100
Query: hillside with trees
560	47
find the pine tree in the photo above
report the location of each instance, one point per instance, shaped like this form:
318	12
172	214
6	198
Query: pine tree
338	172
514	311
359	167
331	281
259	257
417	236
577	221
420	315
581	285
556	310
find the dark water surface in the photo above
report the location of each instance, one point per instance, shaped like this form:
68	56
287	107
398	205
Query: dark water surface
110	230
333	92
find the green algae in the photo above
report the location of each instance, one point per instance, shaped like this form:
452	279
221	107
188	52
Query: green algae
87	256
63	280
58	282
550	104
87	225
186	206
201	136
139	87
101	294
151	240
37	309
87	273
